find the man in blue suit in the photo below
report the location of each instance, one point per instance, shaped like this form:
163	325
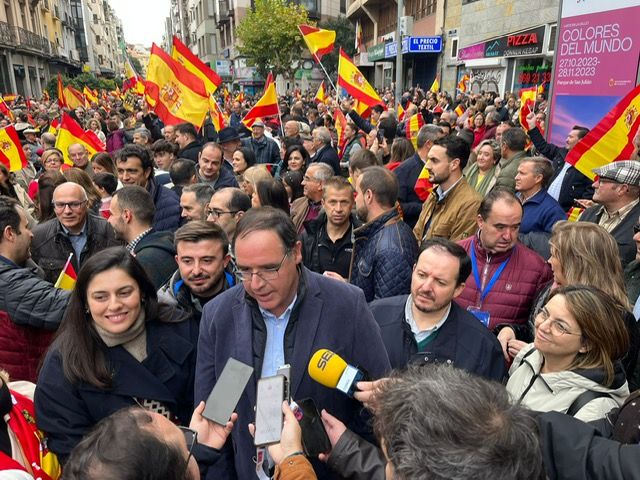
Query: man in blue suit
283	313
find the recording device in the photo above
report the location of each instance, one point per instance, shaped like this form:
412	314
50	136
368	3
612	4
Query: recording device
380	134
314	437
329	369
285	371
271	392
227	391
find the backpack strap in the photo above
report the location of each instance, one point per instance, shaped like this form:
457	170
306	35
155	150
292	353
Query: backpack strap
583	399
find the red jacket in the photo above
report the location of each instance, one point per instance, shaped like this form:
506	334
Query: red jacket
511	298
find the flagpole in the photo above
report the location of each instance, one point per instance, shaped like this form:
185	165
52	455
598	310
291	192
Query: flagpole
64	269
325	71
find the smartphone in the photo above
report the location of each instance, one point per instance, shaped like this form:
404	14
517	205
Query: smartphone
314	437
380	134
269	417
226	392
285	371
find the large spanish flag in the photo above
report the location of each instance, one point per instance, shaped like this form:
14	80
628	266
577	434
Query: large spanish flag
73	98
611	139
176	94
191	62
412	127
319	41
11	153
70	132
267	106
90	96
350	78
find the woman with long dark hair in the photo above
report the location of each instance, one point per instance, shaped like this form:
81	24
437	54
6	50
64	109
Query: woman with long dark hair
116	347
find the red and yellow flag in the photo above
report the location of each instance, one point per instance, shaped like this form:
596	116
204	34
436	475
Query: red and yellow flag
68	277
340	124
240	97
401	111
72	97
11	153
423	186
527	105
611	139
412	127
268	81
132	79
321	94
90	96
70	132
435	86
362	108
175	94
350	78
53	126
460	109
574	214
267	106
191	62
6	111
10	97
217	117
319	41
463	83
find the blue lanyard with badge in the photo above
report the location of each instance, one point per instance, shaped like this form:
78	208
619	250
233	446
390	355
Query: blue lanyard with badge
483	315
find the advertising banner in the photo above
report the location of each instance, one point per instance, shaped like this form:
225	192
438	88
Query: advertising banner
596	62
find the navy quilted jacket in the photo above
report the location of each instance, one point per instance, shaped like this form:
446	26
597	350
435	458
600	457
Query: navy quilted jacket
384	253
167	217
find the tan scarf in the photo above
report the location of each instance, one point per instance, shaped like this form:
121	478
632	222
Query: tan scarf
133	340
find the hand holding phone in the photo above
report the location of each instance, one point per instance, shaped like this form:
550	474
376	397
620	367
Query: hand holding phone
227	391
271	392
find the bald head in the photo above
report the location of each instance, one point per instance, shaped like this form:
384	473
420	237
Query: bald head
291	128
78	155
70	206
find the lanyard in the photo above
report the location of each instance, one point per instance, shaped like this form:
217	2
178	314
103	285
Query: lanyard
476	275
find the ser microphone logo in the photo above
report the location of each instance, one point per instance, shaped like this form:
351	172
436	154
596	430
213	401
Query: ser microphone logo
322	361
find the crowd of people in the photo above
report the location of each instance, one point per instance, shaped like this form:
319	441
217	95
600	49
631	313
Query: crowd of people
497	339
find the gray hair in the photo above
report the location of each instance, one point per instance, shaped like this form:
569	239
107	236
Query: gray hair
324	135
428	133
203	192
144	132
323	172
440	422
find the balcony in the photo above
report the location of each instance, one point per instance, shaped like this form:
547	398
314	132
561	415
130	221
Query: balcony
7	36
56	12
224	12
27	40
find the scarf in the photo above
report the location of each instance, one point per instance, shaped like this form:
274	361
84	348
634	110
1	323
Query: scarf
133	340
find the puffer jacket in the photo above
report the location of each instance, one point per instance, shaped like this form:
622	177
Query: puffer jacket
384	253
167	217
557	391
156	253
30	312
511	298
51	246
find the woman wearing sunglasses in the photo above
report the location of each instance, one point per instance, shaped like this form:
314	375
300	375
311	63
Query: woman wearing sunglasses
573	365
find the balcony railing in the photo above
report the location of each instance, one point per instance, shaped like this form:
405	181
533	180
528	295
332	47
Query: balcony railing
22	39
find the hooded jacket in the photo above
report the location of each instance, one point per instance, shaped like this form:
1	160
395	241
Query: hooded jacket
557	391
156	253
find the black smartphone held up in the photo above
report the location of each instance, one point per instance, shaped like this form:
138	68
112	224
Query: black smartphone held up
314	437
380	134
269	417
227	391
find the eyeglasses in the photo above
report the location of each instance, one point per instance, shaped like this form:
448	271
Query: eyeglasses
60	206
191	437
558	328
265	274
214	213
51	161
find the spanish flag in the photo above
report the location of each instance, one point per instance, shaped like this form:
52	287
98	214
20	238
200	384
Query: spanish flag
412	127
53	126
321	94
68	277
423	186
340	124
319	41
401	111
463	83
11	153
240	97
72	98
350	78
362	108
574	214
267	106
70	132
435	86
268	81
133	80
217	117
176	94
182	54
90	96
460	109
611	139
6	111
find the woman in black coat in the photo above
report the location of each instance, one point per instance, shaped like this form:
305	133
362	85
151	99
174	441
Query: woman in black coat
116	347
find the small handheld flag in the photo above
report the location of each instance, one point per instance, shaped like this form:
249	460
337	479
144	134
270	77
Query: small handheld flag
68	277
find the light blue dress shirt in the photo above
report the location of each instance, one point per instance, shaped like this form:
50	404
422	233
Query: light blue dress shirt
274	349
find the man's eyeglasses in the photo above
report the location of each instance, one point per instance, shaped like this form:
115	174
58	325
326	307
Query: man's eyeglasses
265	274
60	206
212	212
191	437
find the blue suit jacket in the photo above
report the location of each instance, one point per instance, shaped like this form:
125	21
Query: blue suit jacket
333	315
408	172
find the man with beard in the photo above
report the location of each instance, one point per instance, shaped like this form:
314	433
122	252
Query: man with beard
427	326
202	255
132	211
384	249
450	210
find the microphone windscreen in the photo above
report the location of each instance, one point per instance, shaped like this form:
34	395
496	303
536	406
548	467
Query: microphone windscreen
326	367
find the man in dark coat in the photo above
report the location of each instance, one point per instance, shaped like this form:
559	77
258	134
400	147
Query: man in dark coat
282	314
74	230
136	168
132	212
30	308
187	140
325	153
427	326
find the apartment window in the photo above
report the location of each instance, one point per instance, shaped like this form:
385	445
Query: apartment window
95	18
97	40
454	48
211	10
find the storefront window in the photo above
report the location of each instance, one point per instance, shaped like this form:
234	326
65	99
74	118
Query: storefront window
532	72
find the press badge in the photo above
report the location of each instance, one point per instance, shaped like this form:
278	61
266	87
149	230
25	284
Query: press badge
481	315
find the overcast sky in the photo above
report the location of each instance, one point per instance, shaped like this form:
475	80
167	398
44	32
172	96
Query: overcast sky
142	20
